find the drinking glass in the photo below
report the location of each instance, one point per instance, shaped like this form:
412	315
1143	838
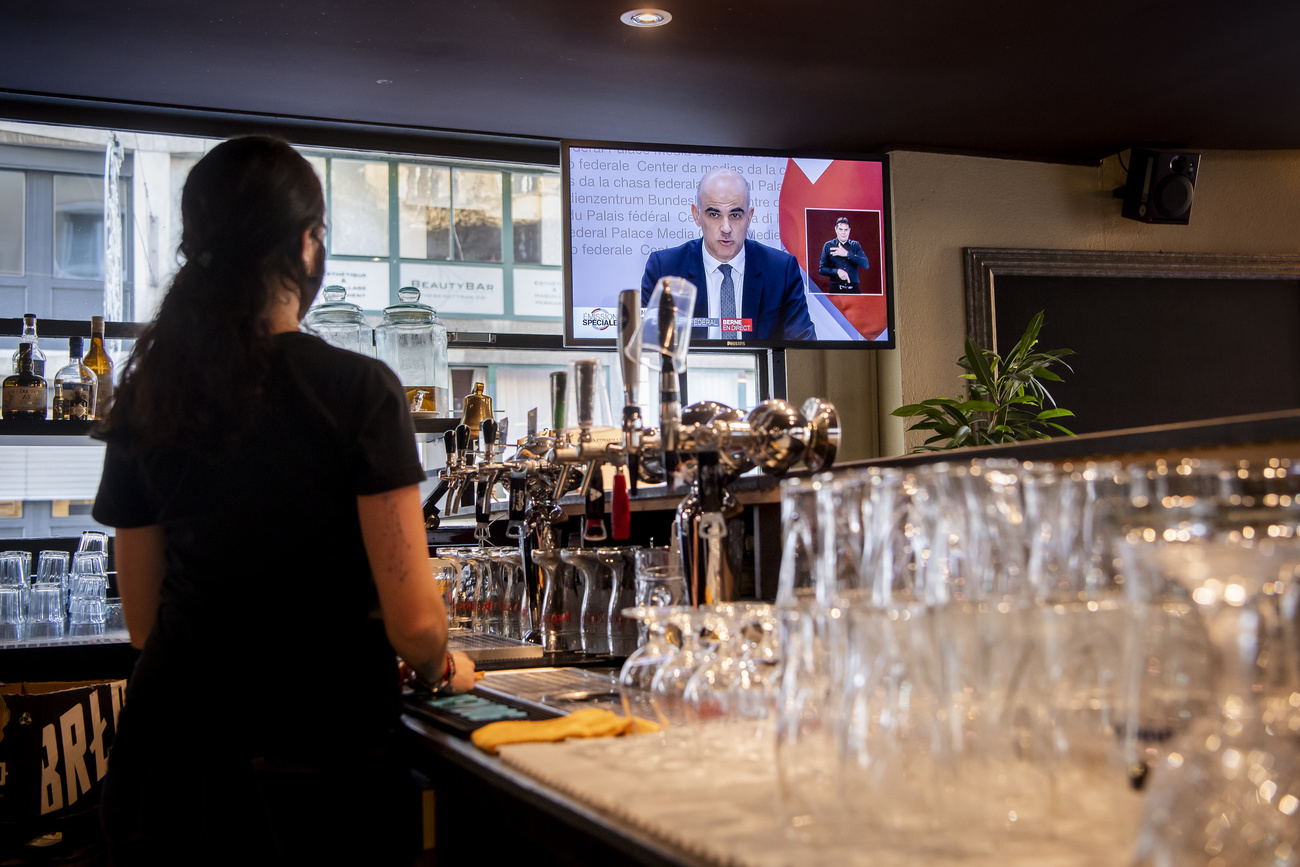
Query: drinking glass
1227	788
114	617
622	595
464	592
807	764
685	634
636	677
508	562
93	542
11	606
593	612
660	581
561	607
16	571
45	604
52	567
85	565
729	696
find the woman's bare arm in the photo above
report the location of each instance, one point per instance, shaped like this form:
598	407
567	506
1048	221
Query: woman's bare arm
140	568
392	526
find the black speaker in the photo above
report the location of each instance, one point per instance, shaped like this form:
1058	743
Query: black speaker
1161	186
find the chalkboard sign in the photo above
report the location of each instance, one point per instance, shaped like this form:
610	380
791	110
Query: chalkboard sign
1159	337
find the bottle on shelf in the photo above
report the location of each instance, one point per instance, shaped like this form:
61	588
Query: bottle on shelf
22	394
100	364
29	338
75	386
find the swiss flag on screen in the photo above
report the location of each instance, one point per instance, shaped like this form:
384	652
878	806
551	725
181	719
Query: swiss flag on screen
813	193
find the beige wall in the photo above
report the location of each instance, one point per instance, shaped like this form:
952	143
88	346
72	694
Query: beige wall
1246	202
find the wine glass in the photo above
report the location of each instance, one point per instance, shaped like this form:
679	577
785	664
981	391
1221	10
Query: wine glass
729	696
685	635
636	678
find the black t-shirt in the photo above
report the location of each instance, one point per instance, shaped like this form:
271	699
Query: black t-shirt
268	634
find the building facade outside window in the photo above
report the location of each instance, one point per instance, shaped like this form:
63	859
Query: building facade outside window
483	242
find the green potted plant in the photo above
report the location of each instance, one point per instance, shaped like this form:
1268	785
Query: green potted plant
1005	398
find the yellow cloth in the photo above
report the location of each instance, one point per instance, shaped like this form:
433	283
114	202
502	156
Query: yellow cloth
587	723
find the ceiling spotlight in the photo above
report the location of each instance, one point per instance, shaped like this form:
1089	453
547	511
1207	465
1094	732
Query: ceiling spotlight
645	18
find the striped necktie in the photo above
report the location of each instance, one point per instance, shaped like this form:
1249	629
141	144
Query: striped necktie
728	301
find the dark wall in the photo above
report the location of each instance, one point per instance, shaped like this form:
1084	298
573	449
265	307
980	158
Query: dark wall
1161	350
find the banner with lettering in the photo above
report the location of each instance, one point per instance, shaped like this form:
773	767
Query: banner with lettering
457	288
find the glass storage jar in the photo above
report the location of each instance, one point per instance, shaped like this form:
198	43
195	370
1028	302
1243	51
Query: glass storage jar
339	322
413	343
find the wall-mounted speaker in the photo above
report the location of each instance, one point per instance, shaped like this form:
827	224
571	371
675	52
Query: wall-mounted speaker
1161	186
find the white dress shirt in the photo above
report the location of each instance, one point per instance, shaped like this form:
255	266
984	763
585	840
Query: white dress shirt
714	276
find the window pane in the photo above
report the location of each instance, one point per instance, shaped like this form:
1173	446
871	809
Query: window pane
318	164
425	218
79	226
358	208
535	217
476	200
12	201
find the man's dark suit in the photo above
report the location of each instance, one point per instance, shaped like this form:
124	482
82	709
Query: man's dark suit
830	265
773	295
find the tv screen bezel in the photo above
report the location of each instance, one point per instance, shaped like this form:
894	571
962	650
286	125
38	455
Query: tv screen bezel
887	242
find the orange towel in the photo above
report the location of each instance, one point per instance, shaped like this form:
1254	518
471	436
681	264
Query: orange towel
587	723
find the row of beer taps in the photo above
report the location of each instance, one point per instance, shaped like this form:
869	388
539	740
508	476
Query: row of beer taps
706	446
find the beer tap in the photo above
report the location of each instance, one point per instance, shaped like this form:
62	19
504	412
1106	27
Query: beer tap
431	516
459	471
711	443
586	452
672	341
485	480
629	356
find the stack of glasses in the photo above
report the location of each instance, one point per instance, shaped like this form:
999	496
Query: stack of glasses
584	592
57	599
1024	661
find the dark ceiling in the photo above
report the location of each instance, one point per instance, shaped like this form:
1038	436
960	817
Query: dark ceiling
1074	81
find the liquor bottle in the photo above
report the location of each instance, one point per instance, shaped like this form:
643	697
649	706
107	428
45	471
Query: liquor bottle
74	387
22	394
102	366
29	337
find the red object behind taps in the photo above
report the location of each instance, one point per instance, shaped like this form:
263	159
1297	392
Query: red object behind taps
622	508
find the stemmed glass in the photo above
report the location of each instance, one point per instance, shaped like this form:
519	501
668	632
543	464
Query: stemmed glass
729	696
636	678
685	635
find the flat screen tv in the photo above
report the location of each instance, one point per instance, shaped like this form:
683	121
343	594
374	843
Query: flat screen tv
812	269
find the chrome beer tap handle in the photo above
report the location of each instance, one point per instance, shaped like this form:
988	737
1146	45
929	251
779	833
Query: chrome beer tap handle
629	356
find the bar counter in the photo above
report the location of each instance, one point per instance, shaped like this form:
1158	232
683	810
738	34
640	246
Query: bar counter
580	801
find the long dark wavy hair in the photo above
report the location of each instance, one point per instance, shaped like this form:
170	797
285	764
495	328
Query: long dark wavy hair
196	375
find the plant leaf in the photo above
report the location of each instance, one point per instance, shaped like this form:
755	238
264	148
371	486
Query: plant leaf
1053	413
980	366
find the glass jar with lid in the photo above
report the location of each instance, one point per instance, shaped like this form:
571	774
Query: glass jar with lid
413	343
339	322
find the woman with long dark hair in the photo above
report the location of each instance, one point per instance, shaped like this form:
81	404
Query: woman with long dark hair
270	550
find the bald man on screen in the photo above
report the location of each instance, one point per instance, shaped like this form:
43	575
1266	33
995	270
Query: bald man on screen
737	278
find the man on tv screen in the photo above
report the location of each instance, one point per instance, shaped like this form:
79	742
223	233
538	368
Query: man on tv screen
841	259
748	290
